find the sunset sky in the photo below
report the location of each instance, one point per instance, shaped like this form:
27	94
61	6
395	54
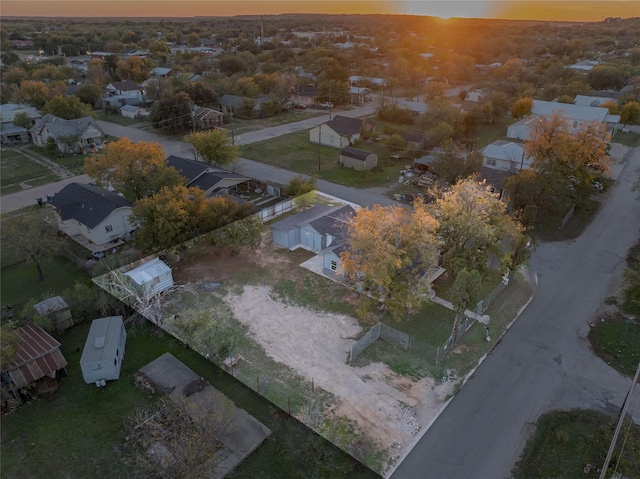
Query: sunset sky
585	10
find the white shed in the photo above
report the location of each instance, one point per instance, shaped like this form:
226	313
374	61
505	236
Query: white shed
150	278
104	350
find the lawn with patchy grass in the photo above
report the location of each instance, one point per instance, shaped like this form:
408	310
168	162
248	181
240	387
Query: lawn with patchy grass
488	133
626	139
294	152
549	229
73	163
78	431
16	168
245	125
617	341
574	444
119	119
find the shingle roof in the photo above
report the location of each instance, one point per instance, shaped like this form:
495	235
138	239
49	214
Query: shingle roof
37	356
188	168
126	85
571	112
60	127
334	222
345	126
505	150
230	100
218	178
355	153
87	204
304	217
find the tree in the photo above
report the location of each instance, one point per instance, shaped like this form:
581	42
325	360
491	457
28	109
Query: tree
213	147
67	107
133	68
22	119
90	94
176	214
28	237
391	252
630	113
172	112
193	39
299	185
136	170
465	291
334	91
34	93
521	108
473	224
454	164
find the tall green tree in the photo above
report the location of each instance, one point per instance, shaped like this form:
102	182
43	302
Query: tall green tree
67	107
172	112
136	170
213	147
465	292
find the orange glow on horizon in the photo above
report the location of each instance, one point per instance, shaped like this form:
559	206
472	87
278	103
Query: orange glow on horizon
585	10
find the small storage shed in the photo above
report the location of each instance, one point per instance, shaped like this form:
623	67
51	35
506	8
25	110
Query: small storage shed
150	278
358	159
57	311
104	350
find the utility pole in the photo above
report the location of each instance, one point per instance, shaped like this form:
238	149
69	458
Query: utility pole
319	144
623	413
233	136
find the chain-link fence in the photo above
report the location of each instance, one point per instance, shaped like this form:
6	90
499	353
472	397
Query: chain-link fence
485	302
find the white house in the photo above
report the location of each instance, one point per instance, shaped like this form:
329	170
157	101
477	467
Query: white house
505	155
125	88
98	216
576	115
340	132
132	111
478	95
70	136
150	278
103	351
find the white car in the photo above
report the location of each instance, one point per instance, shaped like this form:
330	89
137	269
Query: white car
326	104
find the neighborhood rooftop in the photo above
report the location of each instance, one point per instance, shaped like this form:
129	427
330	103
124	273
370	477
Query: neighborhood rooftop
88	204
344	125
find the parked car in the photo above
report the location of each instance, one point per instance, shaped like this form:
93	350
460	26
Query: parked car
299	106
326	104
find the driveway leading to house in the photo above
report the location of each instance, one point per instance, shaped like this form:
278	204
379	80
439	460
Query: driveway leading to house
544	362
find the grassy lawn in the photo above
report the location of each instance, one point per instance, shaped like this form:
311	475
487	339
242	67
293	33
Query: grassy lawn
241	125
626	139
444	283
294	152
77	432
617	341
16	168
549	229
119	119
496	131
73	163
566	442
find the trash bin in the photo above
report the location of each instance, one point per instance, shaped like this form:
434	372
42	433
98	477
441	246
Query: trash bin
39	200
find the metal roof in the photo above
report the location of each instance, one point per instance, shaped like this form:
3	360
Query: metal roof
355	153
103	339
37	356
50	305
146	272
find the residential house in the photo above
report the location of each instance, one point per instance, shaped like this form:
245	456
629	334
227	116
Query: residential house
576	115
11	134
206	118
134	111
126	92
478	95
57	311
584	100
584	65
230	103
103	351
359	94
93	216
70	136
506	156
212	180
150	278
340	132
161	72
38	360
360	160
357	80
304	95
495	180
321	229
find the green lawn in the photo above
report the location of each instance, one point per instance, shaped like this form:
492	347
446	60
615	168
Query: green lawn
549	230
78	431
617	341
73	163
241	125
565	443
119	119
294	152
496	131
16	168
626	139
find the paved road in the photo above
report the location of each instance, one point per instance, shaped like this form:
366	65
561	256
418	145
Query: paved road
544	361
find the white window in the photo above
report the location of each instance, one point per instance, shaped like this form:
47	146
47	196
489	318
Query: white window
575	124
334	265
108	228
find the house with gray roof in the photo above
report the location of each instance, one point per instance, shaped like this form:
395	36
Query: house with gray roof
11	134
95	217
340	132
506	156
234	103
213	181
70	136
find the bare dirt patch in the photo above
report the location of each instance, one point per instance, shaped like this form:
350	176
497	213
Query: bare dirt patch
388	409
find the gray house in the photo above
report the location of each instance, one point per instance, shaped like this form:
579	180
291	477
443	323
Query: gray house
321	229
360	160
150	278
103	351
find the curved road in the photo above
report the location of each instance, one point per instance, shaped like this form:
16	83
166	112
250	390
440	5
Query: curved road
543	362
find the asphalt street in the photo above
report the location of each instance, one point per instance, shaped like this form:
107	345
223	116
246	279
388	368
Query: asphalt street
544	361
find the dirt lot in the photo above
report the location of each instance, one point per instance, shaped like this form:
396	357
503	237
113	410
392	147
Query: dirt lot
389	409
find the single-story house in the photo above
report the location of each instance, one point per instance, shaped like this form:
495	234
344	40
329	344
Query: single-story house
8	112
506	156
585	100
11	134
495	180
57	311
150	278
206	118
70	136
234	103
356	80
321	229
99	216
161	72
304	95
359	94
213	181
358	159
38	358
125	88
478	95
133	111
103	350
340	132
576	115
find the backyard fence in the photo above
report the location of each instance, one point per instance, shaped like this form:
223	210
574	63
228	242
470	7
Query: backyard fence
448	345
275	210
488	300
568	216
